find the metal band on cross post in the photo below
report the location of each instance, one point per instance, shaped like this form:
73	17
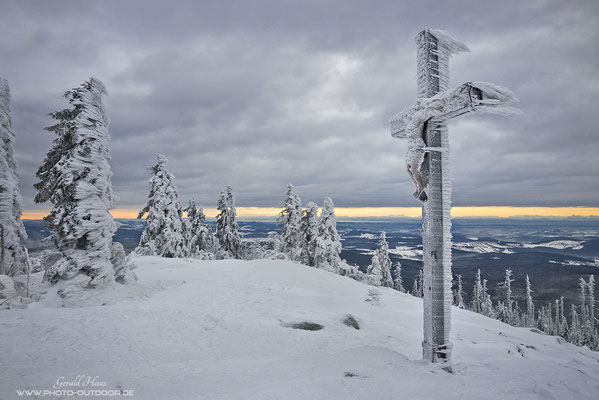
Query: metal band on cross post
427	159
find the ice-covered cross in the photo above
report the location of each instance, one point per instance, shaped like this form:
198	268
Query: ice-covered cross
427	159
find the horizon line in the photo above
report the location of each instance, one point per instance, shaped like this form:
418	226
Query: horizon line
378	212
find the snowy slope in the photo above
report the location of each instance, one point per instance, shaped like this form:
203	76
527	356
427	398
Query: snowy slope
217	330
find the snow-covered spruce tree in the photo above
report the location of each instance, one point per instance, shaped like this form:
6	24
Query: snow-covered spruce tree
557	319
459	295
226	227
163	234
199	240
477	294
122	264
76	178
421	282
383	254
582	285
309	230
574	331
588	334
12	231
591	293
564	328
551	317
507	287
415	289
374	271
418	285
397	281
290	219
487	305
518	318
530	307
328	244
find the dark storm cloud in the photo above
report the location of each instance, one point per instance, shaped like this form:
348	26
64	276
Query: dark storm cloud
258	94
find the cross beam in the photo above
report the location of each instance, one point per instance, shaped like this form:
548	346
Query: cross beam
427	159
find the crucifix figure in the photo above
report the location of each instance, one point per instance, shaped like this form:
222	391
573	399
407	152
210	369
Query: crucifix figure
427	159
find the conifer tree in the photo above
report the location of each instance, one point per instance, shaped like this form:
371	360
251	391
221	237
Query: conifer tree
558	319
374	271
121	264
76	178
507	287
12	231
397	281
459	296
487	306
309	230
383	256
574	333
418	285
582	285
163	234
328	244
517	318
290	219
415	290
477	294
588	332
199	240
530	307
548	320
591	295
226	228
563	322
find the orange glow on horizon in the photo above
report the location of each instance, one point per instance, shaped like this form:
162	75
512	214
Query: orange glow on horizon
411	212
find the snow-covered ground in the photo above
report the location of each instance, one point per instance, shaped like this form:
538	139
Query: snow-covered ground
221	330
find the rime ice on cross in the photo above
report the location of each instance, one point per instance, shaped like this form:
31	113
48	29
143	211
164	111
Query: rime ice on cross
427	159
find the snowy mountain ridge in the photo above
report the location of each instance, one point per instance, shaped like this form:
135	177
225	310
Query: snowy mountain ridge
194	329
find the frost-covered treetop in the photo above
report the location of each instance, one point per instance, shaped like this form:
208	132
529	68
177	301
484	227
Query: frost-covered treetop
161	160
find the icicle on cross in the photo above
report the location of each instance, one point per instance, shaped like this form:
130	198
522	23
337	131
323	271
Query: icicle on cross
427	159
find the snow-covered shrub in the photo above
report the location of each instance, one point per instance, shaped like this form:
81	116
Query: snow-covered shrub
122	264
274	255
7	287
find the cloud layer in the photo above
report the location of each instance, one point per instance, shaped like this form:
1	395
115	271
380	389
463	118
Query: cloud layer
258	94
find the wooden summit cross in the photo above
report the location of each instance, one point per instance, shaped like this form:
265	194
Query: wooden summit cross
427	159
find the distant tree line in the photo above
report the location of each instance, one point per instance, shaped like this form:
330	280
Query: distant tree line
581	330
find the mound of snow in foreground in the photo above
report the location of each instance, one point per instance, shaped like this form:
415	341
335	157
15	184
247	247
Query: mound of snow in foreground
221	330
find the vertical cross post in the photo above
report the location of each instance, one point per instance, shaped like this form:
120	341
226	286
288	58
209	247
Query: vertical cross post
433	78
427	161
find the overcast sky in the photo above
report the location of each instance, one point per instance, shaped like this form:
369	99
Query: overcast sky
256	94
